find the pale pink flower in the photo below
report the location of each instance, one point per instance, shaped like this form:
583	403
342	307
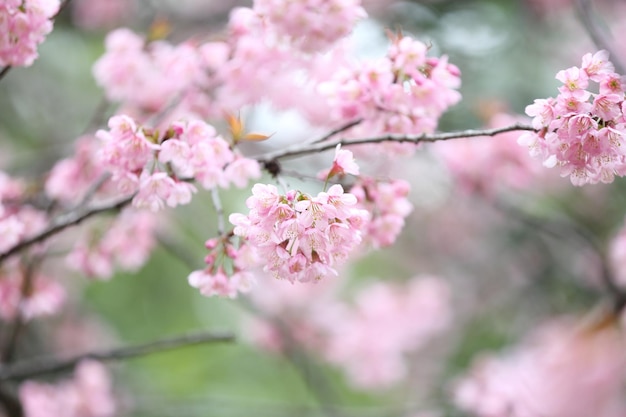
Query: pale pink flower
46	297
154	190
564	370
88	394
23	26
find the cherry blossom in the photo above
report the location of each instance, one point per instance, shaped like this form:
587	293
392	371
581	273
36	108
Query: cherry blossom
563	369
23	26
582	132
87	394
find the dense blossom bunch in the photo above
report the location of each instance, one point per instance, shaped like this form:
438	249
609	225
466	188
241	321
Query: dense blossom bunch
581	131
72	177
387	203
387	322
564	370
485	164
88	394
404	92
24	24
369	338
300	237
43	296
17	219
311	25
157	167
147	77
127	244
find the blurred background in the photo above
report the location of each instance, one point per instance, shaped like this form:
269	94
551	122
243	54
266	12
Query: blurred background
512	255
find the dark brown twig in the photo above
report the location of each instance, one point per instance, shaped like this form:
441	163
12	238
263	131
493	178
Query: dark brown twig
307	149
44	366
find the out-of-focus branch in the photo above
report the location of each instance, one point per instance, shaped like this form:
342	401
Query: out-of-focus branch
16	327
599	38
311	148
38	367
565	230
5	71
62	222
10	403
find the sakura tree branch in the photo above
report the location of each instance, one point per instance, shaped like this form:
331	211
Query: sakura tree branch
5	71
62	222
564	230
307	149
44	366
599	38
340	129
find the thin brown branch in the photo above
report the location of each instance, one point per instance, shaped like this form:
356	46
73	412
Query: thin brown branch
5	71
10	403
599	38
44	366
62	222
307	149
338	130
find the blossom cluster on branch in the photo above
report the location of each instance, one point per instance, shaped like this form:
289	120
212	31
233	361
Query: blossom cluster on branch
580	131
167	140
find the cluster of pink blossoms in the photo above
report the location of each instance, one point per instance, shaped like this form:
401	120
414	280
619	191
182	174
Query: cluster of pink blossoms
44	296
311	25
147	77
158	167
564	370
126	244
88	394
300	237
369	338
404	92
386	323
24	24
581	131
387	203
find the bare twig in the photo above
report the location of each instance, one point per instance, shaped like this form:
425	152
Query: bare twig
308	149
340	129
599	38
17	325
62	222
44	366
11	403
5	71
564	229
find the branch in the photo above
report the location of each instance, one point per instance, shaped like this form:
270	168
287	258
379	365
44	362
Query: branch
315	147
563	230
62	222
5	71
340	129
585	14
43	366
